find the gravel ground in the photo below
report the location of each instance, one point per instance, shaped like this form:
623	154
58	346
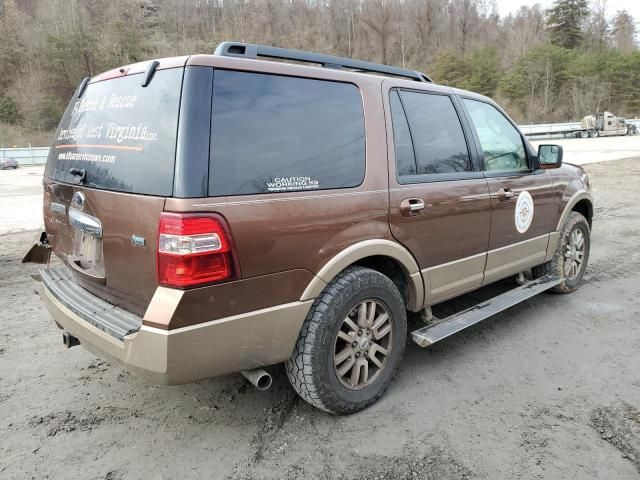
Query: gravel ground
21	199
549	389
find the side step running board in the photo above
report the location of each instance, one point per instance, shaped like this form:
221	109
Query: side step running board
441	329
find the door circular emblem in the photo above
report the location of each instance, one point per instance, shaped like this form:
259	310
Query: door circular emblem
524	211
77	201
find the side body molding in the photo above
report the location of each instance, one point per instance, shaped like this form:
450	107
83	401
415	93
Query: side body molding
572	202
369	248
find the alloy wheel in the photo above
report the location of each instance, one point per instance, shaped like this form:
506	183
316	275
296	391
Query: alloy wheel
363	344
574	254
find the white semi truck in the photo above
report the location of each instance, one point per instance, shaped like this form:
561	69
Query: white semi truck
603	125
599	125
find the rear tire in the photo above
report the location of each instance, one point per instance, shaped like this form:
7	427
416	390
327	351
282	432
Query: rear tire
358	319
571	256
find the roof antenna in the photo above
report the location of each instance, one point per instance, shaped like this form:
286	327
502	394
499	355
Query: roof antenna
149	72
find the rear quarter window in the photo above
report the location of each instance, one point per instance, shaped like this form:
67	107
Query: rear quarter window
122	134
273	134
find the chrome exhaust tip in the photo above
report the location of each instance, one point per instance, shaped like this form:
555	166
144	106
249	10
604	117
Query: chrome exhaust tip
259	378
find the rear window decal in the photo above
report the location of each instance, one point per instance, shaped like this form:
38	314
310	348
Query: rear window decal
283	184
121	134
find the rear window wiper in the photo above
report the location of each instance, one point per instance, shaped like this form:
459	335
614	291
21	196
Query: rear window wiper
80	173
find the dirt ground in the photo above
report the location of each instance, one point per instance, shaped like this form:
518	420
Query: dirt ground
549	389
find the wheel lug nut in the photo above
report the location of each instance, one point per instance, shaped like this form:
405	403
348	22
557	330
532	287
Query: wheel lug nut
357	354
360	332
354	344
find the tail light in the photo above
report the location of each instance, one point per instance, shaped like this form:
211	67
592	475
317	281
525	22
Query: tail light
194	250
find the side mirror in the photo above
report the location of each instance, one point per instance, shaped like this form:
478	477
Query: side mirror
550	156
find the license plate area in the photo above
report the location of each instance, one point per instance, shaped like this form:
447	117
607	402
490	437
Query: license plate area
86	250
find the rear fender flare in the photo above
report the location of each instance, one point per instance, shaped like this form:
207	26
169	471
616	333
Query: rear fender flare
364	249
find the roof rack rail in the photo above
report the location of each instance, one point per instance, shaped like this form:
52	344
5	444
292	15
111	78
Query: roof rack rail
249	50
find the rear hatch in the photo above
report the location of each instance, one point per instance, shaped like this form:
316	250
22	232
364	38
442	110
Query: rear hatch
107	176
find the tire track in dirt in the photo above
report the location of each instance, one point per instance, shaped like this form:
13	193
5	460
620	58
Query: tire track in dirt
619	425
68	421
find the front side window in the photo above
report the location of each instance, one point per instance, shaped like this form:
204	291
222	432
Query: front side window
433	127
272	133
500	141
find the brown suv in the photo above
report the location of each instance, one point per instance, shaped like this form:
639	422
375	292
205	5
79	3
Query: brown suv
221	213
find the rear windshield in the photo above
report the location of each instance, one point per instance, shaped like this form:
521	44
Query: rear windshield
122	134
273	134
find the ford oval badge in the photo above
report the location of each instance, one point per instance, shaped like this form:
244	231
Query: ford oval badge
77	201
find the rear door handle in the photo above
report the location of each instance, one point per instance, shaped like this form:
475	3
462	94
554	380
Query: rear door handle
505	194
411	206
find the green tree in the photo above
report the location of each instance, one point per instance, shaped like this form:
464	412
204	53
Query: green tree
623	72
536	82
565	20
450	69
485	71
479	71
8	110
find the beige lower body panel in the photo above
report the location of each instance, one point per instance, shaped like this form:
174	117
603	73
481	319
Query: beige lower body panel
251	340
513	259
461	276
453	278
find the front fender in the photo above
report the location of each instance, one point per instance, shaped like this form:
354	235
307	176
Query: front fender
572	201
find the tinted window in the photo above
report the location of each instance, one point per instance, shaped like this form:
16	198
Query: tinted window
500	141
121	134
438	139
275	134
405	157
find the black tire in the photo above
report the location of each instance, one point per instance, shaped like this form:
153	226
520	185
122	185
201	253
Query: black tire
311	366
556	266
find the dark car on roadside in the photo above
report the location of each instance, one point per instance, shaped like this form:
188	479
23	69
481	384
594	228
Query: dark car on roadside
7	163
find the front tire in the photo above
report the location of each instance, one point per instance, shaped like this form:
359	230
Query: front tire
351	342
571	255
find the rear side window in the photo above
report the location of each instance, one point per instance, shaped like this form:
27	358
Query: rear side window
121	134
405	156
439	144
272	133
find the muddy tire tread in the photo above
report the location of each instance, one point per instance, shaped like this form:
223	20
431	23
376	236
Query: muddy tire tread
300	367
556	264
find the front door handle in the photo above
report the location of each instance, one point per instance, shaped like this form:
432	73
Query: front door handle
505	194
410	207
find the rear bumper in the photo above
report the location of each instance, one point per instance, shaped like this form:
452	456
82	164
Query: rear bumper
183	355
